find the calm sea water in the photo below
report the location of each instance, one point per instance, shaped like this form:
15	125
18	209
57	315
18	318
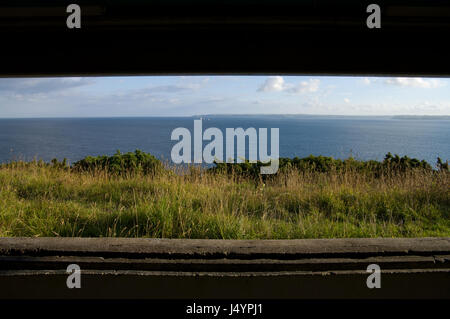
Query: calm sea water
362	137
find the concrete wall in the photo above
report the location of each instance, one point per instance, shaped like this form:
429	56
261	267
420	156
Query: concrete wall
35	268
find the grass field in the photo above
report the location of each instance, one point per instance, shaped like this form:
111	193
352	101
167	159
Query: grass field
41	200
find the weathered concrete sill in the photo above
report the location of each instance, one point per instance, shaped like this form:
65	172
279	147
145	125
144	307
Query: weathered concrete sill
176	268
232	249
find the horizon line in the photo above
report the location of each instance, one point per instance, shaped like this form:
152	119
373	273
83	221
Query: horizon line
225	114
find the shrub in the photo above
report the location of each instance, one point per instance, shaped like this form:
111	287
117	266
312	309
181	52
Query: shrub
323	164
137	162
441	165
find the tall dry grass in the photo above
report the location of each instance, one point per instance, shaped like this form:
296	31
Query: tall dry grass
38	200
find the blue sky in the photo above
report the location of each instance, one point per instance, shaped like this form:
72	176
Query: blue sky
194	95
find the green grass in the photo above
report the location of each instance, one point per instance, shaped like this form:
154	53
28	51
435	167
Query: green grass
41	200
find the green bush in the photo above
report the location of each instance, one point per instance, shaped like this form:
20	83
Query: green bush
137	162
324	164
442	166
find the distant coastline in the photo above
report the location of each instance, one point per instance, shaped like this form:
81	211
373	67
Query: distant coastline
306	116
422	117
252	115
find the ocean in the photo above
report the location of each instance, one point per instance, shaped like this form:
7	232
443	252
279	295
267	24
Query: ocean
337	136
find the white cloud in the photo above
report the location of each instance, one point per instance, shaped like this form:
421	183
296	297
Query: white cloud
366	81
277	84
186	84
192	82
273	84
415	82
311	85
346	100
42	85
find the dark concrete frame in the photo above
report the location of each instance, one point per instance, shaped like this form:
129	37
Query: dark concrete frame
220	39
216	269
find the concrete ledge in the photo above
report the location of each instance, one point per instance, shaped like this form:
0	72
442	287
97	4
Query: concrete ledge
210	248
188	269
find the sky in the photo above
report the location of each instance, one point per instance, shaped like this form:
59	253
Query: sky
198	95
